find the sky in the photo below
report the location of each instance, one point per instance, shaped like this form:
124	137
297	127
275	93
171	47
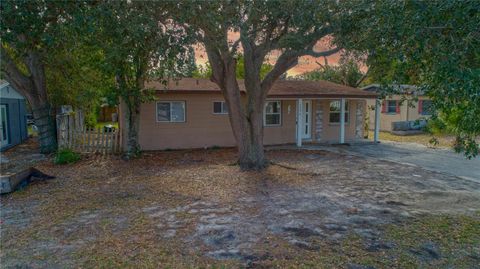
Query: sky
305	64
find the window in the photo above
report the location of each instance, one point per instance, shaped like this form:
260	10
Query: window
335	111
220	108
391	106
171	111
272	115
426	107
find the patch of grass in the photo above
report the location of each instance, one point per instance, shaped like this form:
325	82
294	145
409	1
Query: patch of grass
31	131
66	156
457	238
444	141
102	124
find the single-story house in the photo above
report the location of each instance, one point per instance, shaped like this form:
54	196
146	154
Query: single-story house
191	113
410	106
13	119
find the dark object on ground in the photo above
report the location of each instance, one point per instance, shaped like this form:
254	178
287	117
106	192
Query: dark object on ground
19	180
427	252
109	128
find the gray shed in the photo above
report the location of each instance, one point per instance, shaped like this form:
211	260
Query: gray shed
13	117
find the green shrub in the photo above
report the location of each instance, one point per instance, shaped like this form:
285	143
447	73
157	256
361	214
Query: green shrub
90	120
65	156
436	126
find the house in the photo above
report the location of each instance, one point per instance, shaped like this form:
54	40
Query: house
107	112
13	119
191	113
411	108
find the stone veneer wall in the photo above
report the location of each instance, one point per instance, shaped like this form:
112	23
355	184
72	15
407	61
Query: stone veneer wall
359	120
318	121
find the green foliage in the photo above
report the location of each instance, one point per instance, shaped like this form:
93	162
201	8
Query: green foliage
205	71
436	126
434	44
138	43
202	71
66	156
53	31
347	73
90	120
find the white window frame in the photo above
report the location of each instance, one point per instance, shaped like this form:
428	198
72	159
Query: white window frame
223	106
347	112
170	102
278	113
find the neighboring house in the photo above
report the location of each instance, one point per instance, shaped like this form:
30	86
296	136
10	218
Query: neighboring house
191	113
399	108
13	119
107	113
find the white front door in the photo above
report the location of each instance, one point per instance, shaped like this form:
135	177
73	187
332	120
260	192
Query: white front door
307	120
3	126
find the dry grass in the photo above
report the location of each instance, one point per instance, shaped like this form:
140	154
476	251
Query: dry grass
444	141
93	215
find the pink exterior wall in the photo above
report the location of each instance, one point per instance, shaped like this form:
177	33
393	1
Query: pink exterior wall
331	131
202	128
407	113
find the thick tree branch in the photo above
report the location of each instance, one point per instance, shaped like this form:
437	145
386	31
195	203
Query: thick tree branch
13	74
286	61
320	54
362	79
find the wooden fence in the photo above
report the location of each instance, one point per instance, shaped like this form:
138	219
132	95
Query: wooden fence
72	134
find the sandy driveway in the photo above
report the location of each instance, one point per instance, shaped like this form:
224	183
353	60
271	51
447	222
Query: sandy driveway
194	208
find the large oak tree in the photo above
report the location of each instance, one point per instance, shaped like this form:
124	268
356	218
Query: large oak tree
34	33
289	28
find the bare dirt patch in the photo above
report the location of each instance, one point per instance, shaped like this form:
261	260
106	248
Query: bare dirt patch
21	157
194	208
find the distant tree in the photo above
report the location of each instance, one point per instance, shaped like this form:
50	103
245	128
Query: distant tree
205	71
347	72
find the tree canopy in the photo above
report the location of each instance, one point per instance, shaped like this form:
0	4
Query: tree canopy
35	50
205	71
290	27
138	43
347	72
433	44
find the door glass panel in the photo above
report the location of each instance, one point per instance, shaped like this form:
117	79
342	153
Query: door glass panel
3	125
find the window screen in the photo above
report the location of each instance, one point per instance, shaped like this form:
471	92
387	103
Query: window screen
171	111
272	113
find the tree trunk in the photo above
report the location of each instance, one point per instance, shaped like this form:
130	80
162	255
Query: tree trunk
246	121
132	124
251	154
46	124
34	88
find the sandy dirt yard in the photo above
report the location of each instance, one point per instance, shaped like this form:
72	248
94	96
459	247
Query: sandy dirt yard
178	209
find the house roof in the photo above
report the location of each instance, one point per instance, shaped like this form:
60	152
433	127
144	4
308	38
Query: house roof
8	92
281	88
404	89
